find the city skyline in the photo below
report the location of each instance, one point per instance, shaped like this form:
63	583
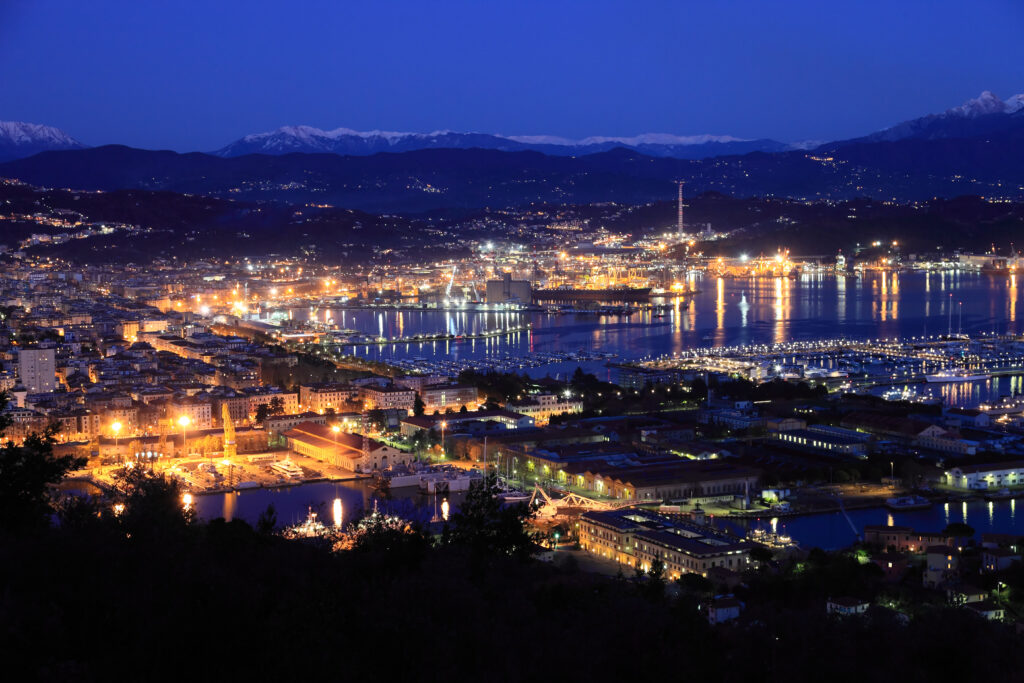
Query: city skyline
661	338
194	78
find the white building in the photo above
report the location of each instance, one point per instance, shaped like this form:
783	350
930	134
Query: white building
986	476
37	369
542	407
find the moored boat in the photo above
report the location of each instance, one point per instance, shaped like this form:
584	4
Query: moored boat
908	503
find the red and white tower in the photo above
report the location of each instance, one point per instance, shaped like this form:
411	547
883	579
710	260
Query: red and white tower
679	216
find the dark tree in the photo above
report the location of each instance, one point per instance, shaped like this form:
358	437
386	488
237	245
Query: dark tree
378	419
487	526
418	407
276	406
27	473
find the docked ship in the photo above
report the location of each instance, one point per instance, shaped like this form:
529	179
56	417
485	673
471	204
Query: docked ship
1004	406
957	375
909	395
904	503
770	538
287	469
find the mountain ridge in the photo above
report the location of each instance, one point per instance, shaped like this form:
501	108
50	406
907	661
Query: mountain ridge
19	139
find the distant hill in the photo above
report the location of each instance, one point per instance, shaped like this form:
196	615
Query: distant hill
345	141
19	140
445	178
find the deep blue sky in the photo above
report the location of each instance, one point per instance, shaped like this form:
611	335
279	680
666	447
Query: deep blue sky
189	75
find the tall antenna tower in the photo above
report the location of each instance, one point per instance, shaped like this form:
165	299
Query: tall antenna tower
679	215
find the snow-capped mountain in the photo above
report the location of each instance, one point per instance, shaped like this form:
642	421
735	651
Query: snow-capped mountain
984	114
19	139
307	139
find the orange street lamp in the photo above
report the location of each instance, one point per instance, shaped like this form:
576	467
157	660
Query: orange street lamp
184	422
116	428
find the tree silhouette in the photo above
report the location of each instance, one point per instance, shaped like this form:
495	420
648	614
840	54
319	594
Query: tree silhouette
487	526
27	473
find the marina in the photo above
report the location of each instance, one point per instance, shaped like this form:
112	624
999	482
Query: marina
721	313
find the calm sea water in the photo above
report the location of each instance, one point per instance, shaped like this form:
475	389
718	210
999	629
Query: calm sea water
829	531
293	503
726	312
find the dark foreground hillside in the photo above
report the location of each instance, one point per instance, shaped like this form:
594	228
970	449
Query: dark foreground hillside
224	602
133	589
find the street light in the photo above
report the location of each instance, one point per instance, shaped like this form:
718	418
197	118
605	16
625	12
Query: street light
444	425
184	422
116	428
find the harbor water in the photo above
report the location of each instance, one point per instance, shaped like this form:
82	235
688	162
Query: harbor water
725	312
829	530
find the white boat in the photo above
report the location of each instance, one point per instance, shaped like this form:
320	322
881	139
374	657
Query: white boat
957	375
287	468
908	503
1001	494
247	485
514	497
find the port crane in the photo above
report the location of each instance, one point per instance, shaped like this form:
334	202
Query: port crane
451	281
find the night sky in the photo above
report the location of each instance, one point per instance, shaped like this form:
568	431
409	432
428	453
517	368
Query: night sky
196	75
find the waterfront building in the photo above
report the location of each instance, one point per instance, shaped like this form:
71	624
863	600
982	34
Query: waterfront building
620	471
820	441
636	537
348	451
508	290
637	377
984	476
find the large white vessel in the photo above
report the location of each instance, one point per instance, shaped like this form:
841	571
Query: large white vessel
957	375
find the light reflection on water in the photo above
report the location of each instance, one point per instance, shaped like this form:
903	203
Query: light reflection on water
832	530
293	503
726	312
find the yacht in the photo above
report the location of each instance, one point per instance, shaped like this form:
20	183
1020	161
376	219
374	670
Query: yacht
957	375
287	468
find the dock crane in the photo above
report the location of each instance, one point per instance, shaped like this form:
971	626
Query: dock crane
451	281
